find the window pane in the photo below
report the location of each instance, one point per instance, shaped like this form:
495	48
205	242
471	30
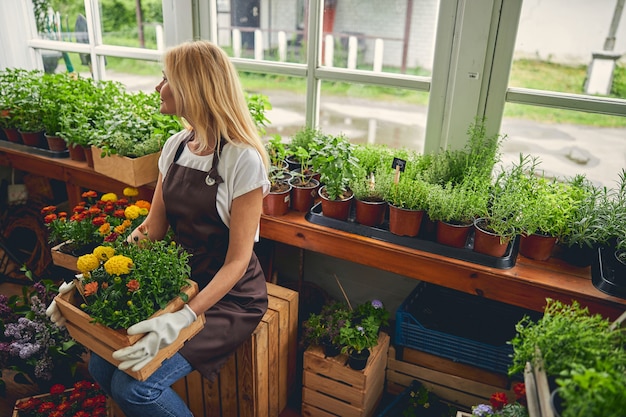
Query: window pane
121	27
371	114
276	29
396	36
288	104
564	57
564	146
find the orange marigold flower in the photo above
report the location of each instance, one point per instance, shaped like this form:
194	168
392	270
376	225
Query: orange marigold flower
105	285
120	229
49	218
119	213
105	229
48	209
133	285
63	215
89	194
98	221
79	209
91	288
143	204
94	211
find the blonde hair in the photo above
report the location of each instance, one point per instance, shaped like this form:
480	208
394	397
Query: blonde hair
209	95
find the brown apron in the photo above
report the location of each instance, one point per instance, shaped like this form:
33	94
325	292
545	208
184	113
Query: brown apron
190	204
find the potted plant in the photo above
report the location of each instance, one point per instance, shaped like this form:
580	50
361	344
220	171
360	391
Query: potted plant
32	345
83	398
322	329
370	191
28	109
545	217
93	221
454	208
307	138
408	200
10	92
304	181
337	166
277	202
501	405
583	357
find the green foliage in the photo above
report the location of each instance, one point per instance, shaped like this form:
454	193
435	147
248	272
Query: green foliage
597	390
408	193
118	299
457	204
334	160
357	336
618	88
567	335
323	327
307	138
258	105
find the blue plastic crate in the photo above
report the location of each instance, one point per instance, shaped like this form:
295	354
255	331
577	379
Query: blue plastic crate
459	326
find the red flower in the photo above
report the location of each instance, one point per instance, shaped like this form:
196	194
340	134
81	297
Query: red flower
56	413
85	385
57	389
46	407
89	194
49	218
28	405
498	400
48	209
520	392
133	285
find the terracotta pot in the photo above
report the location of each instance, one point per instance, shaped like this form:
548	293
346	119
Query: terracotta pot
487	242
12	134
537	246
303	196
276	203
77	152
34	139
403	222
56	143
370	212
336	209
454	235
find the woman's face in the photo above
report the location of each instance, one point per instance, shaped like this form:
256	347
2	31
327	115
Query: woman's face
168	104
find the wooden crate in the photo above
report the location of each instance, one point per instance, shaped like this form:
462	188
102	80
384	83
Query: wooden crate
104	340
130	171
457	390
258	378
62	259
331	388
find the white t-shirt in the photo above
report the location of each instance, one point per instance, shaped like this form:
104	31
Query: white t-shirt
241	168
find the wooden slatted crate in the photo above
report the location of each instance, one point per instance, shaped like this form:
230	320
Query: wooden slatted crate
331	388
455	389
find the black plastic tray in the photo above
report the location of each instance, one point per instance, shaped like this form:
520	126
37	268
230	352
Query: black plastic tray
608	275
34	150
382	233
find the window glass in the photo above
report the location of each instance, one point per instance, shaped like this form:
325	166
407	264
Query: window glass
287	113
371	114
566	148
254	29
396	36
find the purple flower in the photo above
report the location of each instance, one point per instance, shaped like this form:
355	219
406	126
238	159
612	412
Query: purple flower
377	304
482	410
360	329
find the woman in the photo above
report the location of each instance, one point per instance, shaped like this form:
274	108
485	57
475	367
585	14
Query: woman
212	180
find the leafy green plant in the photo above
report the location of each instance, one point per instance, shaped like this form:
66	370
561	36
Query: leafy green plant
358	336
307	138
125	284
336	164
457	204
567	335
597	390
408	193
258	105
323	327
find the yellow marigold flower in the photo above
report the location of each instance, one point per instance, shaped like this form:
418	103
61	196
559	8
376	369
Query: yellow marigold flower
143	211
105	229
104	252
143	204
131	192
109	197
132	212
87	263
118	265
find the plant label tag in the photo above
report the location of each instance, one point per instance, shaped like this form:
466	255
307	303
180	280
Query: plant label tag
399	165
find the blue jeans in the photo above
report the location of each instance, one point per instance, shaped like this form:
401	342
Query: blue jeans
153	397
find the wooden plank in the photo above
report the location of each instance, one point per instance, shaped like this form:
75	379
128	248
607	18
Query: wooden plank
195	395
282	347
225	401
247	394
273	369
448	366
311	411
331	405
292	297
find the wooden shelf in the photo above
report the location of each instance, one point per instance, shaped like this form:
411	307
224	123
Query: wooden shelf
527	284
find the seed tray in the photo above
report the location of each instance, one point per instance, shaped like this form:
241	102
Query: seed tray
608	275
382	232
34	150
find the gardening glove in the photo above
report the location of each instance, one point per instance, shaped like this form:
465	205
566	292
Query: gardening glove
53	310
160	332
